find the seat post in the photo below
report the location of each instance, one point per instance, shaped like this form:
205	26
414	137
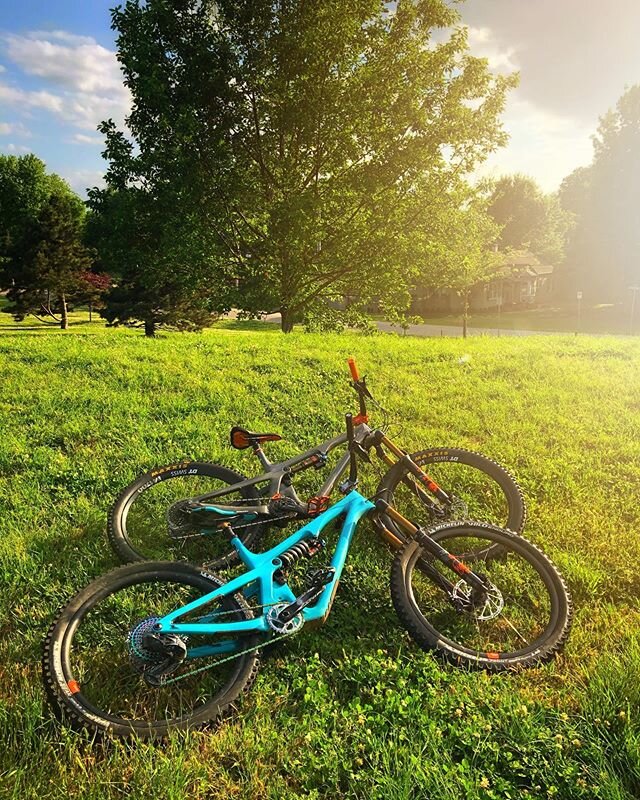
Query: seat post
261	455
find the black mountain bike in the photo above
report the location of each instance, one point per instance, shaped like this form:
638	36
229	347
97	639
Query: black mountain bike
167	513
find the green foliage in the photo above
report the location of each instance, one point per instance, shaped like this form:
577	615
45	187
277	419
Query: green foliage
307	143
25	187
530	220
45	268
352	710
459	250
603	251
161	271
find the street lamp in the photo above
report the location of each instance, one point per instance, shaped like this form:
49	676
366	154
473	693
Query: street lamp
579	298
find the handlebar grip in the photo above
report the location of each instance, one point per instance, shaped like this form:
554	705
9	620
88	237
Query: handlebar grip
354	369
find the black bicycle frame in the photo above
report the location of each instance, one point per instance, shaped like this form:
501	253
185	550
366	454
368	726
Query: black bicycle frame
278	474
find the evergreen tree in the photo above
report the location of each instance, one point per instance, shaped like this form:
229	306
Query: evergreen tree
47	268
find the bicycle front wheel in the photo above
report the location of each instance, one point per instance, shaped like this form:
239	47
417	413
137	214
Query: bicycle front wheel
145	521
477	488
522	618
97	661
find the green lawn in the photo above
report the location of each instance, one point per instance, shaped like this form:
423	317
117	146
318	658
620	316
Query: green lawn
353	709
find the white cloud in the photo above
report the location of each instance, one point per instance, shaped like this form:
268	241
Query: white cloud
17	148
62	36
483	44
2	69
77	63
82	138
83	79
13	128
542	144
82	179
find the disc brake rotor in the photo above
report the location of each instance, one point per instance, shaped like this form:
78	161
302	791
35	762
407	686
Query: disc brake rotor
490	606
458	509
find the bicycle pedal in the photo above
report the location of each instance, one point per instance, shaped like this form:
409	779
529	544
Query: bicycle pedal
321	579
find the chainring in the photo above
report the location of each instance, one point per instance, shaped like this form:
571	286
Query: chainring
276	625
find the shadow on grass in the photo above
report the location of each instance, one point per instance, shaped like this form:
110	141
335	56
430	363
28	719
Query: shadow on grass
247	325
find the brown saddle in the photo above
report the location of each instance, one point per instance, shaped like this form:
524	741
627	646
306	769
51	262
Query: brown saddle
241	438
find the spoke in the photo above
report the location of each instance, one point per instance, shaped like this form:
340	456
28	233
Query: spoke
511	625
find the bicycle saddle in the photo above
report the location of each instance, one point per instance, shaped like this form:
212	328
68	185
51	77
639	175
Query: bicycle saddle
241	438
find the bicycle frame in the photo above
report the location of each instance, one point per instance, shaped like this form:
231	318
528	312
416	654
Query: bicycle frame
279	475
277	472
259	583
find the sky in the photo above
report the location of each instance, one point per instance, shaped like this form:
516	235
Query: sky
59	78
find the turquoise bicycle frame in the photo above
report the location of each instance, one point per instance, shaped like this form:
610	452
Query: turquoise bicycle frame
259	583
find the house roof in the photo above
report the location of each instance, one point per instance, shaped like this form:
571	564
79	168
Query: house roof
522	258
522	264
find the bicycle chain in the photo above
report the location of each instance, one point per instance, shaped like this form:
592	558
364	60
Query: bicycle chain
236	527
233	655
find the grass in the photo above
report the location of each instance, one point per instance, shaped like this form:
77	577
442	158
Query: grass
353	709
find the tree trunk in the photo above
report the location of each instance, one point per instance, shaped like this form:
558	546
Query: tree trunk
149	328
286	324
465	314
64	319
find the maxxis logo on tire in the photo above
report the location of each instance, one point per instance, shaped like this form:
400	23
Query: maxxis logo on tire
183	465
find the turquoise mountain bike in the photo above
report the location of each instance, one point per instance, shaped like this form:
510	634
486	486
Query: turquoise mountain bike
160	646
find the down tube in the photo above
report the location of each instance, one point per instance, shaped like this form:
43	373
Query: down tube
358	507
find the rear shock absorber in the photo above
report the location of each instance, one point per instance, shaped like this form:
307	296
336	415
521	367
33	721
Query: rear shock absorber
307	548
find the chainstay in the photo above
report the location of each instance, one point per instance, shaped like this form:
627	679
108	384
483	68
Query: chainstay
228	658
236	527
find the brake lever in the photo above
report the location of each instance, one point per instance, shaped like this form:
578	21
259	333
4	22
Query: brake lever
361	387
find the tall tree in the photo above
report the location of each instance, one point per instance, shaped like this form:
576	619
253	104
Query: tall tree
530	219
303	141
603	255
158	255
463	255
47	267
25	187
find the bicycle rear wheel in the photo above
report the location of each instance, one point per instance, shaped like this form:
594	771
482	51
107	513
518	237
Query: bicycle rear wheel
96	662
478	488
523	617
140	530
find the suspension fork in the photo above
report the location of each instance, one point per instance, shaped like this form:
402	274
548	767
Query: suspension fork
438	552
417	471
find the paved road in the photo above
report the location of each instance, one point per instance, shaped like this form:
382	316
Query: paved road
443	330
456	330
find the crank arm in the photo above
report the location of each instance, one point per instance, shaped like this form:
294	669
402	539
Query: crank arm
306	598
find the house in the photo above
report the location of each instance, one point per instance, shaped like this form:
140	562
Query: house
522	281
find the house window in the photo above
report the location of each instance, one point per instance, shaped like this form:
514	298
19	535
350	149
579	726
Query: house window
494	293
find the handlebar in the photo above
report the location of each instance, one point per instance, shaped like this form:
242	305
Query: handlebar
360	385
